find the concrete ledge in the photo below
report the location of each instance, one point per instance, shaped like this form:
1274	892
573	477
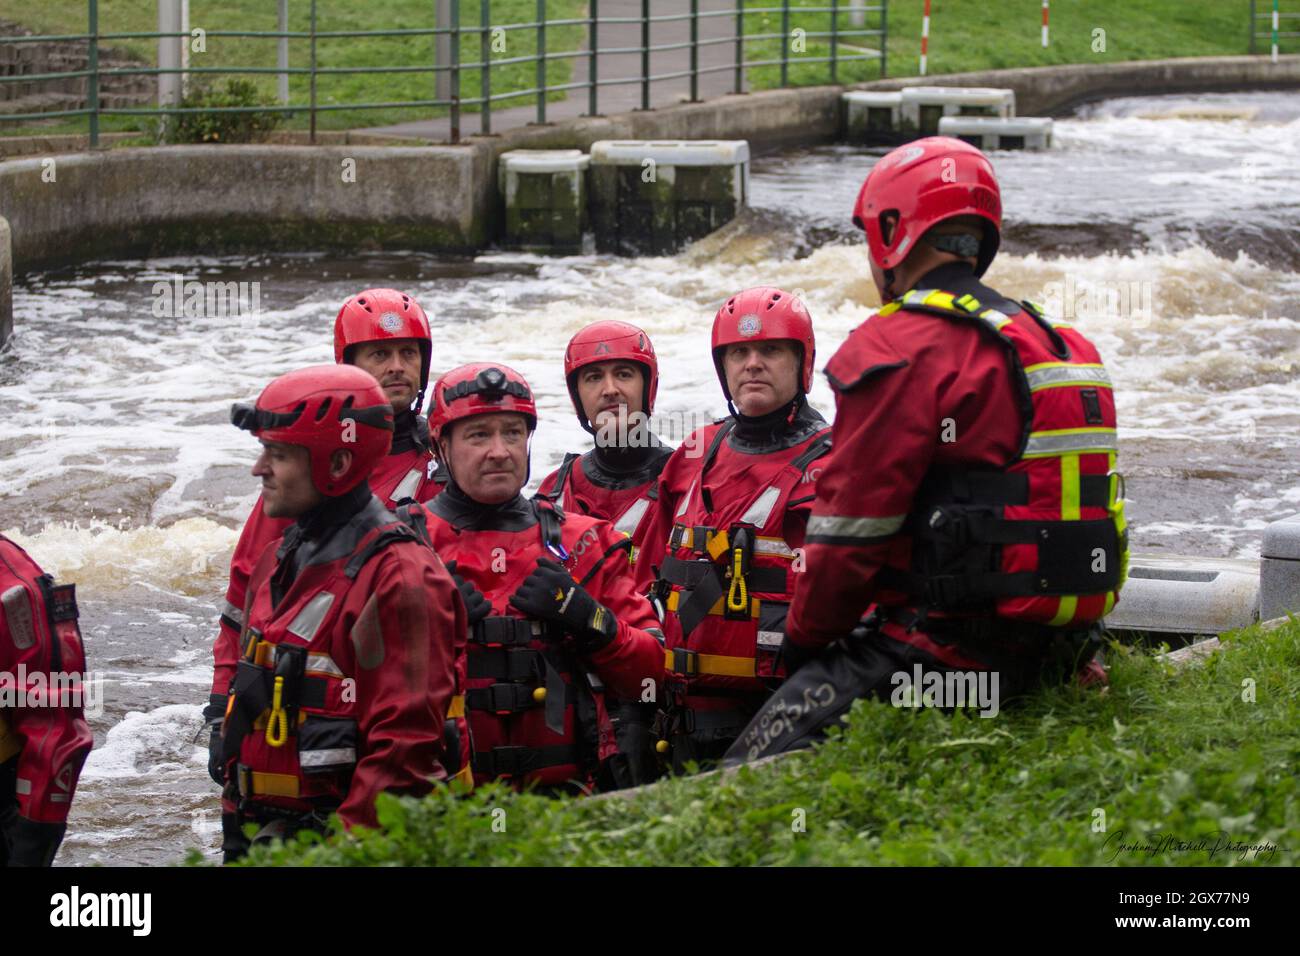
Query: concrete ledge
1054	90
6	284
220	198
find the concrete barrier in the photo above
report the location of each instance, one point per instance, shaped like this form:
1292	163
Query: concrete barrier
1016	132
545	196
1188	596
6	285
191	198
1279	573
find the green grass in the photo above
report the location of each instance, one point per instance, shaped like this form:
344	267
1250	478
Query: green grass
1164	751
127	16
978	35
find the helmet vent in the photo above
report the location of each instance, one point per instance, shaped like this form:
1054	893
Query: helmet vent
324	407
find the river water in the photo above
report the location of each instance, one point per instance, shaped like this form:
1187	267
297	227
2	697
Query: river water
1165	228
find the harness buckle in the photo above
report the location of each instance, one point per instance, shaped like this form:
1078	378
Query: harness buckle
686	662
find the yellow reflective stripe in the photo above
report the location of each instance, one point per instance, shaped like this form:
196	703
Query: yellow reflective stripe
274	784
717	665
1062	441
1060	374
1070	511
939	298
969	302
456	708
890	308
1121	523
995	318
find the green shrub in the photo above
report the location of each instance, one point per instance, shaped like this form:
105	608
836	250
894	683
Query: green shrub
216	127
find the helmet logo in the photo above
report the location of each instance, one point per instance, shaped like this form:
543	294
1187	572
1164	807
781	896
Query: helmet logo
603	349
910	154
390	321
749	325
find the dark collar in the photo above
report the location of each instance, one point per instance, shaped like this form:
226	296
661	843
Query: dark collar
615	468
463	513
776	431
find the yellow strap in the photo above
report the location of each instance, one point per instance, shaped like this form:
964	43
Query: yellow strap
277	728
1070	511
675	599
465	775
457	707
275	784
717	665
717	545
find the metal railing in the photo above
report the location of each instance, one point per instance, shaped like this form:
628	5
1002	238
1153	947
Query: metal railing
836	13
1274	23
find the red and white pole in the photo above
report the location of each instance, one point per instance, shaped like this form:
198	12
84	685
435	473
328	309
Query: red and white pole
1044	24
925	35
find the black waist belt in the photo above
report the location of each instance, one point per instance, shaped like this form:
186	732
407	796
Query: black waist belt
502	630
500	663
691	574
512	761
509	698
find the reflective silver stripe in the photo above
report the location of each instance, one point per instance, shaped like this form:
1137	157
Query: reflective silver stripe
1043	444
323	664
232	612
995	318
327	758
686	501
408	486
59	798
834	526
770	639
629	520
23	786
18	615
773	546
310	617
761	510
657	634
1066	375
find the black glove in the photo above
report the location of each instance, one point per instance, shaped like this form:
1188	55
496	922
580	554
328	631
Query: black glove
794	656
477	606
213	715
28	843
550	593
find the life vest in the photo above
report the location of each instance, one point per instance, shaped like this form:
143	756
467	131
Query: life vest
625	508
1043	540
42	635
727	578
536	713
290	732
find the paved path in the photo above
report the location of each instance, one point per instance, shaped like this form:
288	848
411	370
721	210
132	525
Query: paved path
720	57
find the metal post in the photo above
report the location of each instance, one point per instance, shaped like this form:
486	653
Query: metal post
282	51
593	44
541	61
169	56
92	81
695	51
442	49
485	57
645	54
857	14
740	46
884	36
1252	27
454	63
312	32
835	35
785	42
183	43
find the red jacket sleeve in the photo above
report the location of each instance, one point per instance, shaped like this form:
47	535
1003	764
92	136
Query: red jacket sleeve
403	697
259	531
635	656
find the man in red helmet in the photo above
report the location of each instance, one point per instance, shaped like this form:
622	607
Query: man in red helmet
612	376
352	625
555	618
44	739
971	495
386	333
721	545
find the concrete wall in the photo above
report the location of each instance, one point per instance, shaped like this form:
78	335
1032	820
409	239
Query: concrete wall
1053	90
6	285
209	199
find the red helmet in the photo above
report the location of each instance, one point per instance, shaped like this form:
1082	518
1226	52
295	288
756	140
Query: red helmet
377	314
610	341
480	389
324	408
764	314
924	183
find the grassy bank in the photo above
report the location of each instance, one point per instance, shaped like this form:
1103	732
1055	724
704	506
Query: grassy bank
1192	752
977	35
129	16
